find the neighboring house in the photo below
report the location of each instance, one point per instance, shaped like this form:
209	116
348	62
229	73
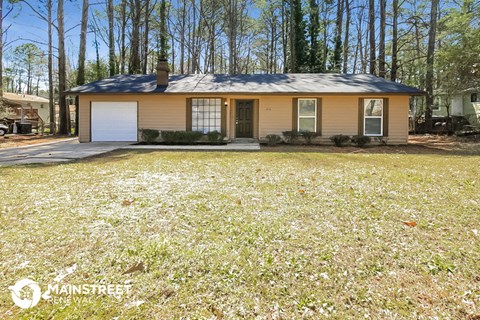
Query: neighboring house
464	103
31	104
244	106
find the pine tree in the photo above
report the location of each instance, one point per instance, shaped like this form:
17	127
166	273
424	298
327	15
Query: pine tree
314	55
298	47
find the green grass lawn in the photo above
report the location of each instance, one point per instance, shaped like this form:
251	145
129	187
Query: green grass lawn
247	235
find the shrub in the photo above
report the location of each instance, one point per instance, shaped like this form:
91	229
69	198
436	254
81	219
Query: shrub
214	136
181	137
149	135
290	136
273	139
361	141
340	140
308	136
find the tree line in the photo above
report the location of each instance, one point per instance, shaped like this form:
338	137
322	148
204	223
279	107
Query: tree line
432	45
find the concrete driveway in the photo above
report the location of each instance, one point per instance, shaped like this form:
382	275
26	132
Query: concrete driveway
59	151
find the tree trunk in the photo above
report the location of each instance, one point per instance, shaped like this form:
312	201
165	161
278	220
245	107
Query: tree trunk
182	37
81	57
430	60
1	48
111	40
145	37
393	72
381	48
163	30
325	37
51	103
293	26
123	49
347	34
313	30
285	37
64	127
232	36
371	23
135	11
337	53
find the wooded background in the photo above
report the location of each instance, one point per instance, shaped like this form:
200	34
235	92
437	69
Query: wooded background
432	45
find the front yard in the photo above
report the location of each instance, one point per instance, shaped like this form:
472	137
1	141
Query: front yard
265	235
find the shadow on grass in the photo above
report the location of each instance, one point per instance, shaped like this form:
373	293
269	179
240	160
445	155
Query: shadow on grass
410	149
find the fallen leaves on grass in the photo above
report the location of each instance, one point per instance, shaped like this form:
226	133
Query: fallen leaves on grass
217	312
136	267
127	202
410	223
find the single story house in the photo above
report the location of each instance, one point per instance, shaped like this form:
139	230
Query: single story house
243	106
461	103
31	104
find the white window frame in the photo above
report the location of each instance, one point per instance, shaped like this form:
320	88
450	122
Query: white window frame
204	131
306	117
365	117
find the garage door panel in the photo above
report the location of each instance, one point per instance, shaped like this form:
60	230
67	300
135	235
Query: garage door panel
114	121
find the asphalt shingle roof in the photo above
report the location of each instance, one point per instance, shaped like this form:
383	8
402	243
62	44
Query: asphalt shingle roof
307	83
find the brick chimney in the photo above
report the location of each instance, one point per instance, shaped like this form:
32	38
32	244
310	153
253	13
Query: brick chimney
162	72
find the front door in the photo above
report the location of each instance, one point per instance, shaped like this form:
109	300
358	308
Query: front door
244	119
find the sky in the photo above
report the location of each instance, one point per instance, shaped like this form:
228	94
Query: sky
25	26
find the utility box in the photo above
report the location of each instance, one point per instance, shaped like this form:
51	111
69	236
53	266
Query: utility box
24	128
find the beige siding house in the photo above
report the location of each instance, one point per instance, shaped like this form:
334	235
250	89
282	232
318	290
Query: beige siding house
244	106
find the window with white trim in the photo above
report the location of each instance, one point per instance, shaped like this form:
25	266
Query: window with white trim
373	117
206	115
307	115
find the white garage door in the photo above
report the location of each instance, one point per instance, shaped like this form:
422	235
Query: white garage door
114	121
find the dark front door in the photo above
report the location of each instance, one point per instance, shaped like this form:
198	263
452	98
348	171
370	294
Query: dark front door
244	119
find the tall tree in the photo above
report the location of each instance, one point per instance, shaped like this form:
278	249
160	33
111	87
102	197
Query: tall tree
123	32
394	67
51	103
1	48
298	43
134	65
347	36
285	33
82	44
111	39
458	58
29	56
381	41
371	24
163	30
337	50
81	58
314	63
2	16
232	25
64	123
432	34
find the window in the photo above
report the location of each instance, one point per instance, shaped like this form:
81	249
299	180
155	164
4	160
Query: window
307	115
475	97
373	117
206	115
